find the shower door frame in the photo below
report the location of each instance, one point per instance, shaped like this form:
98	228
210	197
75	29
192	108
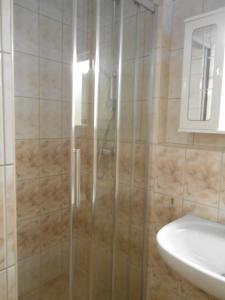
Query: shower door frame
75	153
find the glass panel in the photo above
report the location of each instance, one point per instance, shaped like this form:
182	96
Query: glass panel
108	243
202	72
83	124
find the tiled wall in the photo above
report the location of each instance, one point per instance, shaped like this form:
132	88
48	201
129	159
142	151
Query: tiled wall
186	170
8	262
43	72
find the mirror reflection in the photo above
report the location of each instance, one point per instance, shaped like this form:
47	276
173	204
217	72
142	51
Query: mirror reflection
202	73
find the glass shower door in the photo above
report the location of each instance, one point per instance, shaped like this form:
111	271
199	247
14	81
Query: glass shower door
112	54
94	129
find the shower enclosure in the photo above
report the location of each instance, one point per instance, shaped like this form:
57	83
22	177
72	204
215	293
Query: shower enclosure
110	148
93	246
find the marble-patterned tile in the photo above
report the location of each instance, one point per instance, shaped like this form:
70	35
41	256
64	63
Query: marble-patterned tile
27	159
202	176
170	168
188	291
50	157
29	275
51	230
28	198
66	119
173	124
66	156
50	193
82	254
51	263
140	164
83	219
202	211
138	206
10	215
125	162
29	235
135	285
136	245
164	209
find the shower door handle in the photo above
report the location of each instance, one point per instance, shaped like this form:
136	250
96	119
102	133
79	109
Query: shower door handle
77	177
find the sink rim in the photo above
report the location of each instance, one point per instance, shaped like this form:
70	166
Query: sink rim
175	225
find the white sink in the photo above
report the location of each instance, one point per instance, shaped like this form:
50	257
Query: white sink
195	248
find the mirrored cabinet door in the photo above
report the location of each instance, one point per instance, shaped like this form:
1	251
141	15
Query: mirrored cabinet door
203	65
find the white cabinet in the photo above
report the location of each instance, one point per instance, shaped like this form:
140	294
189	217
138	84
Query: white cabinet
203	85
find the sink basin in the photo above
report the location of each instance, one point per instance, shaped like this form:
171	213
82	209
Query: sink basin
195	248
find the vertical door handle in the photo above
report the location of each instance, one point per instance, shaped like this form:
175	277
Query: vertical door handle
77	177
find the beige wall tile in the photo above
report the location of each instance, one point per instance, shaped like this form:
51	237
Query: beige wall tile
51	8
26	75
50	119
29	274
8	108
50	79
27	118
67	11
2	220
202	177
50	38
67	82
10	215
182	10
31	4
51	263
175	74
12	283
28	198
202	211
3	284
26	31
6	26
29	238
2	154
213	4
51	193
67	43
27	159
170	167
164	209
51	230
173	123
50	157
